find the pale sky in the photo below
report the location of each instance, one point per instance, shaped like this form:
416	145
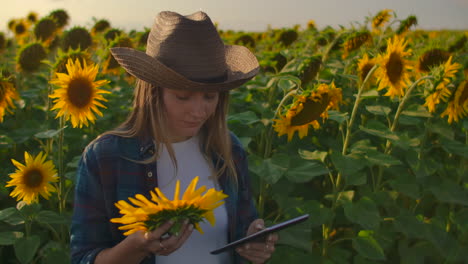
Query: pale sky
248	15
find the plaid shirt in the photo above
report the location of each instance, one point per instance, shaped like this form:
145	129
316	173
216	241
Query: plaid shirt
104	177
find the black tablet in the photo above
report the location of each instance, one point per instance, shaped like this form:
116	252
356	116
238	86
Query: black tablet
260	235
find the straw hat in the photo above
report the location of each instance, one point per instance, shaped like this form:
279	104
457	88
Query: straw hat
187	53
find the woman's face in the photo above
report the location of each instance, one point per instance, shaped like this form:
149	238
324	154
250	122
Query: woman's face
187	111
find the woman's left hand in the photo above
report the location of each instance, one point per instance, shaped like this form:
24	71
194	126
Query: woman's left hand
258	252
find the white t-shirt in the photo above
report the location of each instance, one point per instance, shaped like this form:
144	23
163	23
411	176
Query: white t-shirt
191	163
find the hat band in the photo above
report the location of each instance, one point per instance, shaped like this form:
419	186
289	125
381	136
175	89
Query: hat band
218	79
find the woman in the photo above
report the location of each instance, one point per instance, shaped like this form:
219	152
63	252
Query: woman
176	131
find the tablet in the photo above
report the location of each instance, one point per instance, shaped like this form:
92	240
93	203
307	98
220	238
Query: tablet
260	235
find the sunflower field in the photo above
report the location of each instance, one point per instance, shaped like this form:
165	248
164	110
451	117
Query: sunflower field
363	127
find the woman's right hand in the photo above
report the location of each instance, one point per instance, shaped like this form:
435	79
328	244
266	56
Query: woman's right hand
153	243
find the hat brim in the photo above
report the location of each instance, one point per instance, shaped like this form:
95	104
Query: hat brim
242	65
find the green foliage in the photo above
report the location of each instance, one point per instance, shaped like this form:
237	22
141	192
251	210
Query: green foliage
382	181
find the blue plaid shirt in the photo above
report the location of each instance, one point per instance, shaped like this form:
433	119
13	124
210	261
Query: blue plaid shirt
105	177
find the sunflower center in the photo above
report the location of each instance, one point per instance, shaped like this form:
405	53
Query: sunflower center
33	178
394	68
311	111
80	91
20	29
432	58
365	70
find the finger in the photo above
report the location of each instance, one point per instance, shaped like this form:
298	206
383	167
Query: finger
255	226
185	235
172	243
158	232
272	238
261	247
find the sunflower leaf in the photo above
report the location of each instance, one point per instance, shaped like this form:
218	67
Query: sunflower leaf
9	237
363	212
26	247
367	246
49	133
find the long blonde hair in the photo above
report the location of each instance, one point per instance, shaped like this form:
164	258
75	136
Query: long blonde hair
148	119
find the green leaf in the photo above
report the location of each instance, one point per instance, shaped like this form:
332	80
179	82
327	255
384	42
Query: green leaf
11	216
407	185
343	197
367	246
454	147
356	179
319	214
30	210
246	118
378	129
347	164
9	238
416	110
301	170
450	192
6	213
370	94
271	170
409	225
26	247
313	155
337	116
50	217
6	142
441	128
378	110
378	158
49	133
296	236
363	212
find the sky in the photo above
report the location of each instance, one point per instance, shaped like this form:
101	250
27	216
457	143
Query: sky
247	15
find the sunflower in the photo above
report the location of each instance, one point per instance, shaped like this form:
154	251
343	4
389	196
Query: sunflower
3	42
380	19
355	41
147	215
33	178
432	58
307	109
20	29
32	17
100	26
110	65
393	70
30	57
61	60
60	17
77	37
364	66
457	108
311	25
441	90
7	94
78	95
406	24
45	30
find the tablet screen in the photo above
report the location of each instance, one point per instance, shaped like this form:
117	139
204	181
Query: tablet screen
262	234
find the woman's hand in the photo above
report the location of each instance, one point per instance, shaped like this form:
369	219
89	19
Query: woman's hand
258	252
154	243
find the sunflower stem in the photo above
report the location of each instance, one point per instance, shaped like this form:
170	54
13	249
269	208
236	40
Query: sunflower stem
395	124
351	120
401	107
355	107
